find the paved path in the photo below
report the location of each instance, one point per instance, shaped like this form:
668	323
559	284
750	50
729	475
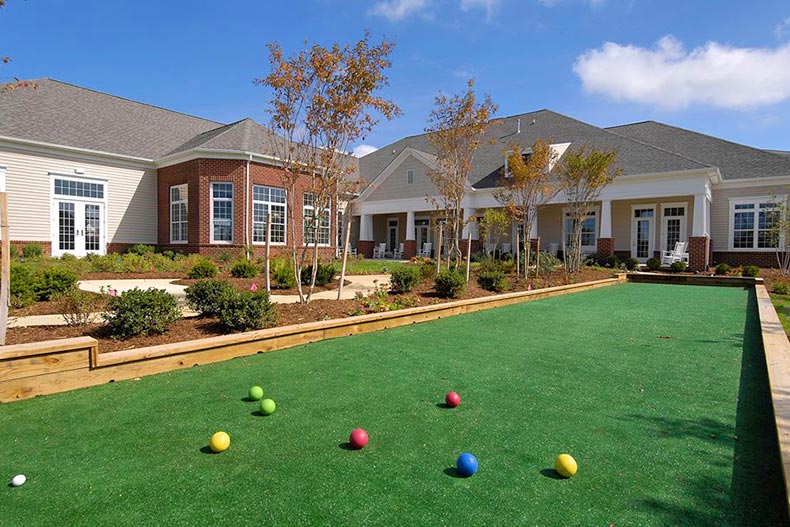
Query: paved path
362	283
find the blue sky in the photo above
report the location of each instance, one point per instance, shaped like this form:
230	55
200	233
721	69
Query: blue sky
716	66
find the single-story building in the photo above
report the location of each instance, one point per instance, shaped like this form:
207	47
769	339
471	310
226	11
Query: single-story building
676	185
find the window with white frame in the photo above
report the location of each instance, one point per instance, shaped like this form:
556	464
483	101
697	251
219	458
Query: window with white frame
410	176
755	223
178	214
265	201
222	212
589	230
315	223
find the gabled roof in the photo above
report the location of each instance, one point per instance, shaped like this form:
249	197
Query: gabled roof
735	161
634	157
63	114
244	136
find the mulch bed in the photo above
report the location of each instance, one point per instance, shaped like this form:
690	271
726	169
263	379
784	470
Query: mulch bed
287	314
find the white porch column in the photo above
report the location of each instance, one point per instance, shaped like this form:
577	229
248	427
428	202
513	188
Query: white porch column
533	233
366	228
472	227
606	219
701	224
410	225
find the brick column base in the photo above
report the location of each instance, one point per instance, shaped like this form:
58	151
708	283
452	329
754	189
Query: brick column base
533	245
365	248
475	247
605	247
409	249
699	247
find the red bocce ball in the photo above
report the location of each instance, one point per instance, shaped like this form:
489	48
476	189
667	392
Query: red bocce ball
358	438
452	399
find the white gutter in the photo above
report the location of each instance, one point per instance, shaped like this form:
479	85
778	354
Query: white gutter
84	151
247	206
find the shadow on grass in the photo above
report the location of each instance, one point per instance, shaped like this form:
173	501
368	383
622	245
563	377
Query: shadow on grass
453	473
345	445
444	405
551	473
207	450
248	400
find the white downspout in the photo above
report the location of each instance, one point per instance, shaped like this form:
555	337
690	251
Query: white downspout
247	206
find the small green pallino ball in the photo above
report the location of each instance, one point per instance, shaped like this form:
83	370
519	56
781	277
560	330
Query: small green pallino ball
256	393
268	407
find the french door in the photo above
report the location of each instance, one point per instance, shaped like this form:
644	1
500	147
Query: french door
79	228
642	233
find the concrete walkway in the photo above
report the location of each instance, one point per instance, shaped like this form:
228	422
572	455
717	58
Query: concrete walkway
365	284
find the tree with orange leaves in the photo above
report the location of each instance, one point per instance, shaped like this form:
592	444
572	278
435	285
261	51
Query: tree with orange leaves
455	128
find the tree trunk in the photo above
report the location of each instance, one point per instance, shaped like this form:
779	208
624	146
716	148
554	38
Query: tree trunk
266	264
5	276
345	258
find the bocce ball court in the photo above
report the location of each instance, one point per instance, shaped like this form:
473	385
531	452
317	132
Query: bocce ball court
660	392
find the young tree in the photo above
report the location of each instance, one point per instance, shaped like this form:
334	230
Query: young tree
582	174
455	128
16	83
323	99
777	219
526	187
493	227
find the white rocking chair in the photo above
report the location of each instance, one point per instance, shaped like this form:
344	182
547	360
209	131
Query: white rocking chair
378	251
397	254
678	254
426	250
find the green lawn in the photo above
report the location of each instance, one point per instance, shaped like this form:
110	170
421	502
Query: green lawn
782	306
368	266
648	386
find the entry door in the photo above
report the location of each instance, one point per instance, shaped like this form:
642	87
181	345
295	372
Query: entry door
421	230
673	227
78	228
642	229
392	234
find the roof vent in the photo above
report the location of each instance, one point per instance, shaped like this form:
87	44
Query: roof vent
533	121
518	126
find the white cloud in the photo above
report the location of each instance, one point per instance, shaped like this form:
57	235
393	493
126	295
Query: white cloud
395	10
782	31
668	76
363	150
489	5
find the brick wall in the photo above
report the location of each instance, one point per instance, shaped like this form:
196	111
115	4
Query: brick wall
46	245
762	259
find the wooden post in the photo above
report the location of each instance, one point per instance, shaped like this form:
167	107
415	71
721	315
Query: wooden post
6	262
345	258
267	267
439	251
537	257
518	254
468	256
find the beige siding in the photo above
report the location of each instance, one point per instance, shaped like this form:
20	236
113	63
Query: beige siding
720	210
621	220
395	186
131	195
550	225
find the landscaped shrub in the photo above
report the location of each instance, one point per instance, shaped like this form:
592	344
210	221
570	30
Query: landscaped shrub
677	267
493	281
591	259
108	263
781	288
21	292
243	269
13	251
203	269
32	250
323	275
79	307
610	261
508	265
428	269
283	274
548	262
722	269
52	281
404	279
141	249
137	313
207	296
450	284
654	264
247	310
632	264
750	271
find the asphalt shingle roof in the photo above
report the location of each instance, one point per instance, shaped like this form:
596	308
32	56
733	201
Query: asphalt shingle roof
63	114
735	161
245	136
634	157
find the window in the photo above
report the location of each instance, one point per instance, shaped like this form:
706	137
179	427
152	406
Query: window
178	214
755	224
506	169
410	177
309	222
673	225
265	201
222	212
81	189
589	230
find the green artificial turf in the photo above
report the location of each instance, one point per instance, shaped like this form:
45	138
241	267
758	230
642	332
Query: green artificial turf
648	386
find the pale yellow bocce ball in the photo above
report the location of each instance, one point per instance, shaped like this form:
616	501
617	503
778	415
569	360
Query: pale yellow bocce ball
565	465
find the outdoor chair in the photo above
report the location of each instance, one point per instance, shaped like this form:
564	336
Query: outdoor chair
506	248
678	254
379	250
397	254
553	248
426	250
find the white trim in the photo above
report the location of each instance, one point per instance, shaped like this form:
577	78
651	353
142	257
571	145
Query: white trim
754	182
329	227
421	156
269	203
211	153
593	211
651	249
54	232
756	200
410	176
170	211
41	145
397	230
683	224
232	212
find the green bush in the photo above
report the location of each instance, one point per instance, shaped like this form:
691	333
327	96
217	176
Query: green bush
108	263
428	269
677	267
243	269
323	275
139	313
591	259
79	307
508	265
654	264
632	264
13	251
21	286
404	279
247	310
283	274
781	288
750	271
207	296
489	265
32	251
548	262
52	281
493	281
203	269
141	249
450	284
722	269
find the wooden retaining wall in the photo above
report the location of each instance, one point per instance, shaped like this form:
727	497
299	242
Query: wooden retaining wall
694	279
28	370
